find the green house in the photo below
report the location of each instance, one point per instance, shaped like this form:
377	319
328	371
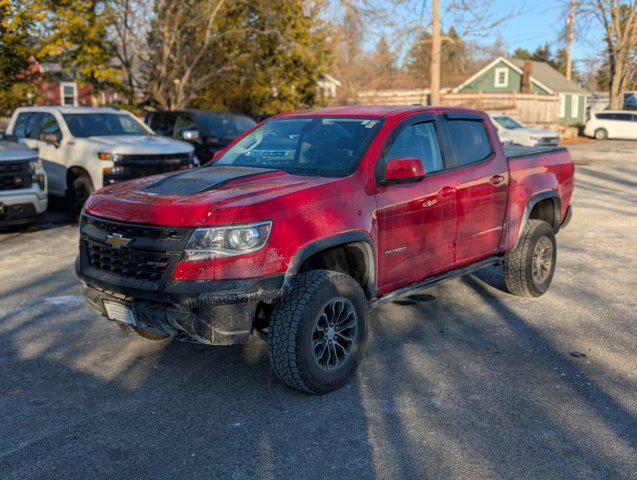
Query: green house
504	75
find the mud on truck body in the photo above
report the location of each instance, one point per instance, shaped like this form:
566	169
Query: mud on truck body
309	219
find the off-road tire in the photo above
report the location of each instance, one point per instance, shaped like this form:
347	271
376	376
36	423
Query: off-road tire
291	330
147	334
518	264
80	189
601	134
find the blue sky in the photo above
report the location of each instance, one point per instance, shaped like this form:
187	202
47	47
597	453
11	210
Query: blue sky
537	22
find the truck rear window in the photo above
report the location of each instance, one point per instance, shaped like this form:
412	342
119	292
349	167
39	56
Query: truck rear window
470	140
321	146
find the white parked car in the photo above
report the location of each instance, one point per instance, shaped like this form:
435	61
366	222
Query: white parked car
509	127
84	149
620	124
23	193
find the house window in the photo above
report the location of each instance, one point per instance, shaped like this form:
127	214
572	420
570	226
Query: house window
68	94
501	77
562	105
574	106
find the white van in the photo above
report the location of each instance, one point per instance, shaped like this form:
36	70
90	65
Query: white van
620	124
84	149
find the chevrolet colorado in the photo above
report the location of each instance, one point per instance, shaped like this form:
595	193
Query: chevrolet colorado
295	229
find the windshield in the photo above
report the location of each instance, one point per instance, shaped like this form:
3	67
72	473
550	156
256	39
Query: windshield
508	122
321	146
224	125
99	124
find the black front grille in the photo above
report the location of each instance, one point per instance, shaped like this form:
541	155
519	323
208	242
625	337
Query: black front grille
15	175
145	266
144	262
129	230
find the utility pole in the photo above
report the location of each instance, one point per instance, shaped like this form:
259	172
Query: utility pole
569	50
436	44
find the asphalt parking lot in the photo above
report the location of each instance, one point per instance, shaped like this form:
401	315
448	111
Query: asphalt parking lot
459	381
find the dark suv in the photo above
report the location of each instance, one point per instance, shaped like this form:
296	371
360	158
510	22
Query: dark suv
206	130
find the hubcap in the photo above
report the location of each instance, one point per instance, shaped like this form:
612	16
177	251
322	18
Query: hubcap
334	333
542	260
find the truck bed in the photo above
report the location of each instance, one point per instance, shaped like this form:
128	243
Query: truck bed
517	151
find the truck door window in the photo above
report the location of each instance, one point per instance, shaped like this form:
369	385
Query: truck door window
48	124
32	128
162	124
470	141
419	141
20	128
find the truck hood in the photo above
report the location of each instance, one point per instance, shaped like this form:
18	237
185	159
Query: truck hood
138	144
11	152
205	196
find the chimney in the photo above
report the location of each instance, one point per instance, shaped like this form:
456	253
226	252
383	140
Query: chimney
526	77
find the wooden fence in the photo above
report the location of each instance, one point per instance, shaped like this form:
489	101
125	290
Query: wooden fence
532	109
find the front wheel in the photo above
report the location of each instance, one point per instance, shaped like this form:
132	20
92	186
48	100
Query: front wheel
601	134
529	268
317	332
78	192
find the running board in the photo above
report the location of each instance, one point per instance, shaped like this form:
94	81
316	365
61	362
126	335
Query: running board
429	282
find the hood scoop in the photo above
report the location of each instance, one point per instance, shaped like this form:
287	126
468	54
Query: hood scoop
198	180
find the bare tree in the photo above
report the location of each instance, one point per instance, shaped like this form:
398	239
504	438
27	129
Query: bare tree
619	21
128	35
180	37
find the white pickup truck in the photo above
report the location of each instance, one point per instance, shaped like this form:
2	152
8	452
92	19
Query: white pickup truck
84	149
23	193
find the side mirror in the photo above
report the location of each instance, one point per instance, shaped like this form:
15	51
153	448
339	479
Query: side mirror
403	170
51	138
190	135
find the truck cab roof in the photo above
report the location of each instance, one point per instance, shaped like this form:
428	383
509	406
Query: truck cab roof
67	110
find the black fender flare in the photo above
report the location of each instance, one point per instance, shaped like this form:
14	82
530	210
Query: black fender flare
358	239
532	202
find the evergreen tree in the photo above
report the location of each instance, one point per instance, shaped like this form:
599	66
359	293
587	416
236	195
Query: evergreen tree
455	54
384	59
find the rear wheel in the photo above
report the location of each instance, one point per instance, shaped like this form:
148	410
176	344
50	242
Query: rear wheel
601	134
78	192
529	268
317	332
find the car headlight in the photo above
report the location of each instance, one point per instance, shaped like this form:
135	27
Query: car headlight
220	242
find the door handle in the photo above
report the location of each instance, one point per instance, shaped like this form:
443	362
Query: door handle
496	179
447	192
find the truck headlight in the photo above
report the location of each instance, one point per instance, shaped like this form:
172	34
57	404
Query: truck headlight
220	242
35	165
109	156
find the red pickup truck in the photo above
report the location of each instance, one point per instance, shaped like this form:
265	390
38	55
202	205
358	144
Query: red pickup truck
309	219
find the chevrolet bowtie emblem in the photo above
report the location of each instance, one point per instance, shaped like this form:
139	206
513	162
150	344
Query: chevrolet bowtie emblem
117	241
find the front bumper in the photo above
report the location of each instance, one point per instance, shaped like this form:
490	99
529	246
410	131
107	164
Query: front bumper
22	207
213	313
